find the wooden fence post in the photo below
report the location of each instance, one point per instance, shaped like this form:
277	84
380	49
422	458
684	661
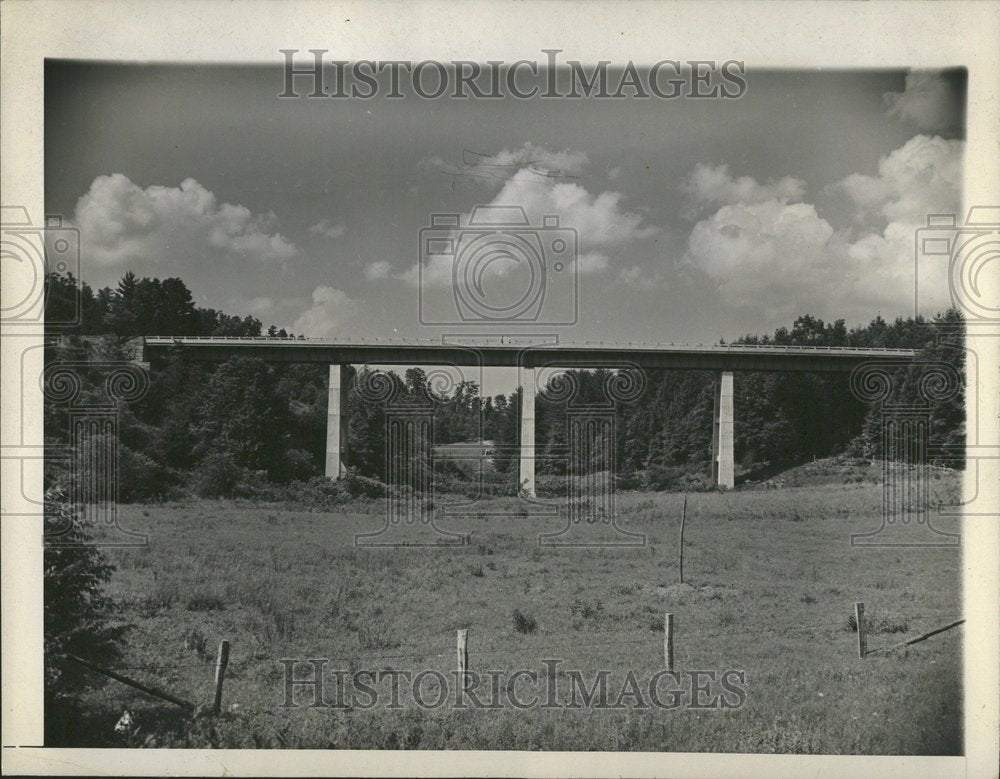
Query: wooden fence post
680	545
221	661
859	617
462	648
668	641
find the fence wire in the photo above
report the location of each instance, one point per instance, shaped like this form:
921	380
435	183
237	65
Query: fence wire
240	667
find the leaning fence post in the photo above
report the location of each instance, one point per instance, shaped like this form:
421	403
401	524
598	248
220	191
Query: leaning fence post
668	641
680	543
221	661
462	649
859	617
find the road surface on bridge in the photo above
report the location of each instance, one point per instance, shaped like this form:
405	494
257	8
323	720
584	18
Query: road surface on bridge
513	351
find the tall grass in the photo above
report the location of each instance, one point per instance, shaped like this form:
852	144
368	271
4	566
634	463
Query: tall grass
770	579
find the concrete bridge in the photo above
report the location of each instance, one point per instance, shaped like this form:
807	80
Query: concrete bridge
529	355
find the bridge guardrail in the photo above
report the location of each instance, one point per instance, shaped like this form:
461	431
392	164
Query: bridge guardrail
165	339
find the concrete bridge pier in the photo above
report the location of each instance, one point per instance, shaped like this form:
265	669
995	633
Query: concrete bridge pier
526	465
336	422
723	466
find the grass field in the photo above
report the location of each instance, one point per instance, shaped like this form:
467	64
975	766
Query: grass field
771	579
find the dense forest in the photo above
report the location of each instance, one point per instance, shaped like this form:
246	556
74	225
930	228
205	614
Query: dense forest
245	426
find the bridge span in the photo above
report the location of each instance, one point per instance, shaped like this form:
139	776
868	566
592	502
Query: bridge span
529	354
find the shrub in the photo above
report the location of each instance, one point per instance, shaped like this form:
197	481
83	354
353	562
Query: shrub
205	600
361	486
523	623
197	642
216	476
299	465
887	623
677	478
140	478
631	480
554	486
76	613
586	609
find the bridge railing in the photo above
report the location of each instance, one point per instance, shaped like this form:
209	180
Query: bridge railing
369	341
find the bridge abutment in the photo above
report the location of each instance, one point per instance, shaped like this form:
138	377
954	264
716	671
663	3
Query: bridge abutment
723	461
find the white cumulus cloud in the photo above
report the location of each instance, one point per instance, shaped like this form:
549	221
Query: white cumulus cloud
332	313
785	258
535	183
324	228
712	185
157	228
378	270
496	168
932	101
638	277
919	178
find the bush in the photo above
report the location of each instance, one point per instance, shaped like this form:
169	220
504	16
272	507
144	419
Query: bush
471	484
523	623
140	478
587	609
631	480
318	493
299	465
361	486
77	613
321	493
205	600
217	476
552	486
677	478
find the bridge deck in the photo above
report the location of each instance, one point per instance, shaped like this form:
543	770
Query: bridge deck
513	351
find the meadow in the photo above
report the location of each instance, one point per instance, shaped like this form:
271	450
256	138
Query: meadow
770	582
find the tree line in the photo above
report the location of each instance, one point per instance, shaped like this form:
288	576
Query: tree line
245	421
146	306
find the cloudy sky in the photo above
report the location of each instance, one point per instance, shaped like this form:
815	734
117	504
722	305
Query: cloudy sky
696	219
